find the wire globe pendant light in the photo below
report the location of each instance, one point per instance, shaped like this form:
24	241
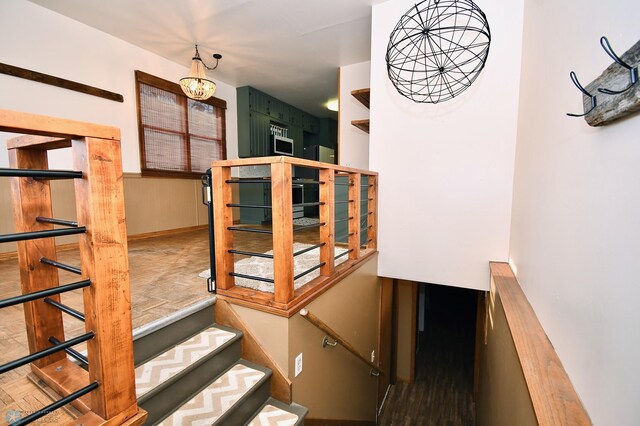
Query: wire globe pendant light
438	49
197	86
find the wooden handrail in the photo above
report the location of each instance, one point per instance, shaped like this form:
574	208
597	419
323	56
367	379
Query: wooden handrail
335	336
103	252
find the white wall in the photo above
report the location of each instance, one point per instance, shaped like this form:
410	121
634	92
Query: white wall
36	38
353	150
446	170
575	234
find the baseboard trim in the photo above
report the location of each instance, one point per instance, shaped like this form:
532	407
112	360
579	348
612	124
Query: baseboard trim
73	246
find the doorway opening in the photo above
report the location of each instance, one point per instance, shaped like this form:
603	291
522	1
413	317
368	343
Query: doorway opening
440	348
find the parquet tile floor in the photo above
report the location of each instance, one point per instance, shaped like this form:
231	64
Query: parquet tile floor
164	278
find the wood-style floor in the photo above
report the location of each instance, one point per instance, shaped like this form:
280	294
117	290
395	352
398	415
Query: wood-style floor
443	389
164	278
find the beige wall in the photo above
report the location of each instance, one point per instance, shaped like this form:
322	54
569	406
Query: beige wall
151	204
503	397
333	383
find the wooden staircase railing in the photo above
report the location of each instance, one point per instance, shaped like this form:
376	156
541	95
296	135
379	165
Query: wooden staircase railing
286	300
104	262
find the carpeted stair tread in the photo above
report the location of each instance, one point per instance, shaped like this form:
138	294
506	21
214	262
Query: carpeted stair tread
214	401
160	369
271	415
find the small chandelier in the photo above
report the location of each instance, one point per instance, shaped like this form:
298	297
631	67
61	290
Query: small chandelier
197	86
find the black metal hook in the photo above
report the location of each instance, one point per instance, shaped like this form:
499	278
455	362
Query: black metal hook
594	102
633	71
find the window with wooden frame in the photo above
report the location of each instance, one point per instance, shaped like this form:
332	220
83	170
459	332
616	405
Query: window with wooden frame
179	136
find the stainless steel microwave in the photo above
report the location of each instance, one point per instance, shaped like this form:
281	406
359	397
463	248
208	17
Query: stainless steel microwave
281	145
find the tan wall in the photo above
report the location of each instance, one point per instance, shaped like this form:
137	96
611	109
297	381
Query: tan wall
333	383
151	204
503	397
405	337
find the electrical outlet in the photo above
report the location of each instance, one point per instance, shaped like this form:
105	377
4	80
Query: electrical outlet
298	364
373	356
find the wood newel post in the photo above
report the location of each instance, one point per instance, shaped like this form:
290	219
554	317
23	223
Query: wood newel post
327	215
354	212
222	220
32	198
372	232
282	225
103	253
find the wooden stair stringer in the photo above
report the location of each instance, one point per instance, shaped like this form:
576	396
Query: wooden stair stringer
253	351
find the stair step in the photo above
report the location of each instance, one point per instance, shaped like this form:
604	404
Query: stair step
233	395
158	370
276	413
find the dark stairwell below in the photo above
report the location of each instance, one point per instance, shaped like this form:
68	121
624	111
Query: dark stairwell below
442	392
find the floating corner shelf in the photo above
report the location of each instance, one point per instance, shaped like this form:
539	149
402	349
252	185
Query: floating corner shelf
361	124
362	95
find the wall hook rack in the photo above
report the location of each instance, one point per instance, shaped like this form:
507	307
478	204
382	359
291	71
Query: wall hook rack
594	101
615	103
633	71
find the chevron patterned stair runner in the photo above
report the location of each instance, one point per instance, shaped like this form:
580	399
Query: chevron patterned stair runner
216	399
161	368
273	416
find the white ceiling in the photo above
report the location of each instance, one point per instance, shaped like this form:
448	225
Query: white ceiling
290	49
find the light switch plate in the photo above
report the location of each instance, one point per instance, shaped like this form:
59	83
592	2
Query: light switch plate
298	368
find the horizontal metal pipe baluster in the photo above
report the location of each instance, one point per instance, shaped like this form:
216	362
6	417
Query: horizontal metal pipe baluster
41	174
43	293
315	225
248	181
45	352
255	230
344	236
299	252
249	206
343	254
64	308
302	274
58	404
252	253
23	236
72	352
342	220
366	200
61	265
343	202
251	277
316	203
308	182
343	184
71	223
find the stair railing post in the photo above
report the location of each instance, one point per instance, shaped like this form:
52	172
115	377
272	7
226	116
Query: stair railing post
222	220
327	216
282	225
354	214
103	254
32	198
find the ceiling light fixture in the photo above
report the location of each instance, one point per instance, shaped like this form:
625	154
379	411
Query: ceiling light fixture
333	105
197	85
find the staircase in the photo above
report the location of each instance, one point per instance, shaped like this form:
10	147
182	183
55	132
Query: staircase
189	370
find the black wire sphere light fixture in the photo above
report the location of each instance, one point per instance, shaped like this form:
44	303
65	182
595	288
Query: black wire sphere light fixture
438	49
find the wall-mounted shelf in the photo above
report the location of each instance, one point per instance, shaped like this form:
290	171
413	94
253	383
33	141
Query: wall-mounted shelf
361	124
362	95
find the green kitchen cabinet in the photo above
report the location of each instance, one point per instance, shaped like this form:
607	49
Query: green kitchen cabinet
297	135
258	101
310	123
258	194
253	135
295	117
279	111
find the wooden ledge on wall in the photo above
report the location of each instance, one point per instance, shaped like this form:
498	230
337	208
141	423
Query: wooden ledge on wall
554	400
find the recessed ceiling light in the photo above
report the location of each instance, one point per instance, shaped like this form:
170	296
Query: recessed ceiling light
333	104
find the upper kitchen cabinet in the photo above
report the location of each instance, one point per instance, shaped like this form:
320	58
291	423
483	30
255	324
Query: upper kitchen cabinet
295	116
279	111
310	123
258	101
328	133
